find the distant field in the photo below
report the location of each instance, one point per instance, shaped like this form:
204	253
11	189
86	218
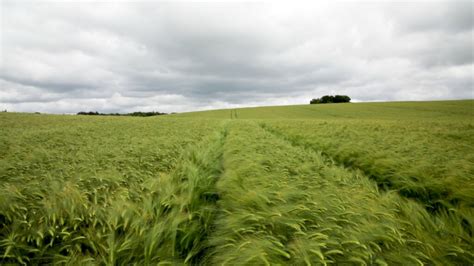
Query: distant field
361	183
442	110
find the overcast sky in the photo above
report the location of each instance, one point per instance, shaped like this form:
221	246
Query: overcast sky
174	57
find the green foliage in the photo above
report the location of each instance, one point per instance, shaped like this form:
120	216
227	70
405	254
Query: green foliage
369	184
331	99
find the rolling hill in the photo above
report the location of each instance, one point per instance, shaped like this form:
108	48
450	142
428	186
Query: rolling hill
363	183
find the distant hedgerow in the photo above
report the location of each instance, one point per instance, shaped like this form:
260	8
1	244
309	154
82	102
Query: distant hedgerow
128	114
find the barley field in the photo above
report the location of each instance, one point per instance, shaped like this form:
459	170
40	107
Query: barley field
346	184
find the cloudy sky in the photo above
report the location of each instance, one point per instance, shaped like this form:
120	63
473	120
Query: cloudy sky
63	57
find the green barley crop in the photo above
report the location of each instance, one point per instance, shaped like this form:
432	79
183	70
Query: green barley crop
355	184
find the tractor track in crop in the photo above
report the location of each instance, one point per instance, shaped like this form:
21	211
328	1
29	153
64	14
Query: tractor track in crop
233	114
191	203
432	206
383	186
327	157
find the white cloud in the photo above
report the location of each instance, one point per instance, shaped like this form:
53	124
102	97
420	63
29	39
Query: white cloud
120	57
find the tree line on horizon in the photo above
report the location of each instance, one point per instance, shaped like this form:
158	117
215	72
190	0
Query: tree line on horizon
331	99
128	114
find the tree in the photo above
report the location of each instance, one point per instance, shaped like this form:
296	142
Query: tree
327	99
315	101
331	99
341	99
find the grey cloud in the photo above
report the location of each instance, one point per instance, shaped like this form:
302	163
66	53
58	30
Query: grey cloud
457	50
450	16
49	85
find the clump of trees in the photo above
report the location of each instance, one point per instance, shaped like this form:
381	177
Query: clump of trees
331	99
129	114
145	114
90	113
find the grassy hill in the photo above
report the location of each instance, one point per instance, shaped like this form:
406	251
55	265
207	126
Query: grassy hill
364	183
384	110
